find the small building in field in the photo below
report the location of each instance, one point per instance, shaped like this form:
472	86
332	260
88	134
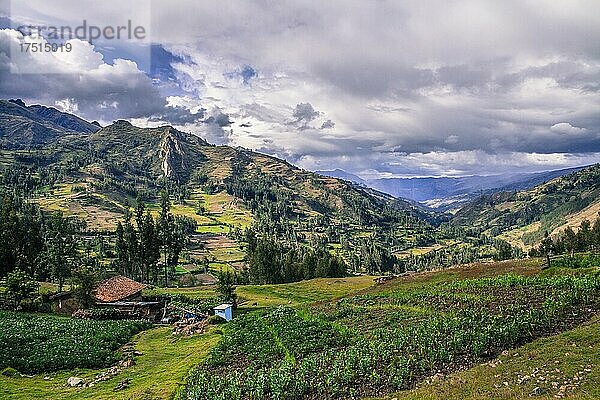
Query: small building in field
224	311
118	288
119	293
125	295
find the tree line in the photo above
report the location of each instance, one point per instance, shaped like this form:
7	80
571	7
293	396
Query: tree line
147	248
49	246
273	261
45	246
587	238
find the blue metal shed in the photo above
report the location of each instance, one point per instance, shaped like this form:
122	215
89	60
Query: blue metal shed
224	311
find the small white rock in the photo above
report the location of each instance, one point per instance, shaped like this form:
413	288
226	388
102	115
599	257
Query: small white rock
75	381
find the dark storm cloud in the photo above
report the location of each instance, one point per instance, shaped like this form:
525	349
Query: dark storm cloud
98	90
329	124
437	76
429	87
463	76
304	113
219	118
367	78
178	116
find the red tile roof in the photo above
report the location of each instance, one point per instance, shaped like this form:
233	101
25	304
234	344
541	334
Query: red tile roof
117	288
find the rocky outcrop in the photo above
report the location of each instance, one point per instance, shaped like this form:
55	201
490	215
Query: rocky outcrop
173	156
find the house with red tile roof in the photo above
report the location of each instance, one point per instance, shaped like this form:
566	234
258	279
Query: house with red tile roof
118	288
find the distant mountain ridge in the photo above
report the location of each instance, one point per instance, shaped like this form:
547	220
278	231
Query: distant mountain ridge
524	217
24	127
445	193
341	174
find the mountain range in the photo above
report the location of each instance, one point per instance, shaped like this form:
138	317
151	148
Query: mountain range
97	173
23	127
451	193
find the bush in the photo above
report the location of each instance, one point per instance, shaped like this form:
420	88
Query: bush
201	305
100	314
20	290
10	372
215	320
577	261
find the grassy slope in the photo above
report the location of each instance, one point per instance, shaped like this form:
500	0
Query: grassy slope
301	292
574	350
559	358
535	354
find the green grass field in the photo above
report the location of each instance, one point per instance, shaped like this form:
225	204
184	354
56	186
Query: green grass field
198	292
213	229
330	314
166	359
319	289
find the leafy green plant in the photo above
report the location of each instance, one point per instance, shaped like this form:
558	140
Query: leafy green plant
340	350
20	288
36	343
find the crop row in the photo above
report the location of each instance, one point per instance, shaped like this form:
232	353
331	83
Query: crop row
329	356
34	343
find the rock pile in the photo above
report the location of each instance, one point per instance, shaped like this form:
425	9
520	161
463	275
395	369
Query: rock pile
75	381
104	376
109	373
190	326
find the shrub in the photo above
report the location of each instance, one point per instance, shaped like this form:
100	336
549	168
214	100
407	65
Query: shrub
215	320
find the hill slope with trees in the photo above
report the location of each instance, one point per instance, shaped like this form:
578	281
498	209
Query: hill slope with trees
526	217
108	182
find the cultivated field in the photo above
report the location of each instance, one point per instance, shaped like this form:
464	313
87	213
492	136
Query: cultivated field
478	331
393	336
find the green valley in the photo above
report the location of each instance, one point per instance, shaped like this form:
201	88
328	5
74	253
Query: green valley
337	290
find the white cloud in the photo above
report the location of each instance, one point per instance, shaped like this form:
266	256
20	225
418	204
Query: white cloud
79	80
428	87
567	128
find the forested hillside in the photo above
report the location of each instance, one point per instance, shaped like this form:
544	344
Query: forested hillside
526	217
237	206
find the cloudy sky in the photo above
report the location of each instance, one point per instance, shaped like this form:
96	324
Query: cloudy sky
377	88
